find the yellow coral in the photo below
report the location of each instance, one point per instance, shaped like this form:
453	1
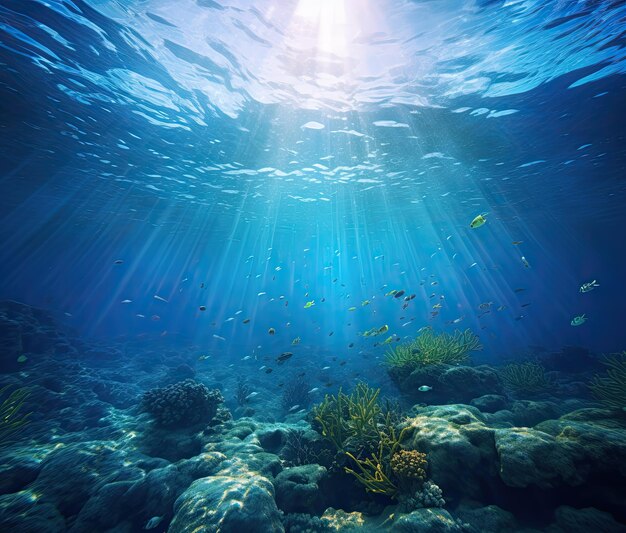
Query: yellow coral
409	465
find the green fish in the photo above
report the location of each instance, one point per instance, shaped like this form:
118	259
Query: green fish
309	304
478	221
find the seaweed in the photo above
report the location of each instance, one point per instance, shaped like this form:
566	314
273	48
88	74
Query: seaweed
610	388
12	420
524	377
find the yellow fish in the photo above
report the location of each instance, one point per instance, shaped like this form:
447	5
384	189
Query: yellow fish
365	302
383	329
478	221
309	304
387	340
351	308
390	293
437	306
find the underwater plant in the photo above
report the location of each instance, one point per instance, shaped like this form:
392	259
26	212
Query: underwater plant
430	348
610	389
350	421
524	377
12	420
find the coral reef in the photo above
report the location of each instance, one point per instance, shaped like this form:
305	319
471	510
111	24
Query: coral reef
610	388
528	377
182	404
296	394
430	348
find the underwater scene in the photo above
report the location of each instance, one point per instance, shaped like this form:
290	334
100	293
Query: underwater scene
312	266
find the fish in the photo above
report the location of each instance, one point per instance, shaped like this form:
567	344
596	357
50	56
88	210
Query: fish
202	308
525	262
351	308
437	306
485	305
309	304
387	340
22	359
203	357
293	408
118	261
296	341
478	221
525	305
364	303
155	317
578	320
351	345
251	395
218	337
516	243
586	287
271	331
398	294
313	390
391	293
457	320
331	334
424	388
153	522
246	320
269	370
326	368
261	293
127	301
139	315
285	356
501	308
157	297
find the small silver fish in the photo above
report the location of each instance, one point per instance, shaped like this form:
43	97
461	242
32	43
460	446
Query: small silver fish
424	388
586	287
525	262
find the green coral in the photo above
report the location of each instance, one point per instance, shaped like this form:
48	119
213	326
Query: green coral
610	389
524	377
430	348
376	473
12	420
364	430
350	421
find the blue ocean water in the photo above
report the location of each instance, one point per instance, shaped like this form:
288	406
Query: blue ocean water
228	181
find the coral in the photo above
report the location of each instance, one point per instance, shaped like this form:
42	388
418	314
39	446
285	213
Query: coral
526	377
351	421
182	404
430	348
242	391
610	388
376	473
299	450
430	495
409	465
12	420
296	392
304	523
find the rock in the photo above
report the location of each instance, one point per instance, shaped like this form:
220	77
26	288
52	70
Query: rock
490	518
22	512
460	448
490	403
17	472
570	520
298	491
531	457
229	504
426	521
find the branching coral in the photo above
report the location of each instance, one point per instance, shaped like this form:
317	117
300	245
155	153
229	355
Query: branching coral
376	472
350	421
12	420
610	388
430	348
524	377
